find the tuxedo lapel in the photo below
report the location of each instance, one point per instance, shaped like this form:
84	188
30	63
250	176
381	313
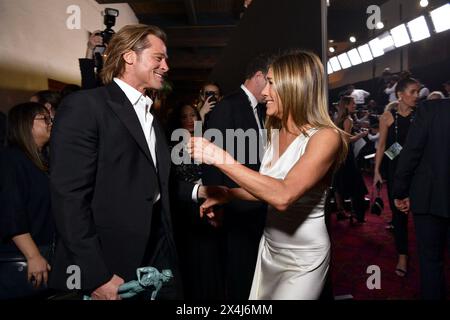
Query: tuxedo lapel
124	110
249	121
247	113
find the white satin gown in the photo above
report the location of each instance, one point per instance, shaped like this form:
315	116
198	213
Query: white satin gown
294	252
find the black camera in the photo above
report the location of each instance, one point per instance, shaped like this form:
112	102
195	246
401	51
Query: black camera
109	19
211	94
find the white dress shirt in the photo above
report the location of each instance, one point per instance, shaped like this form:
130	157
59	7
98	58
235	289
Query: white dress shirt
360	96
391	93
142	105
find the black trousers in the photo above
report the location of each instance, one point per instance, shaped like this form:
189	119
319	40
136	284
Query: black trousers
161	254
432	236
242	238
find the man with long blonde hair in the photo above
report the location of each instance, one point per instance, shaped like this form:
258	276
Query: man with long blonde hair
110	173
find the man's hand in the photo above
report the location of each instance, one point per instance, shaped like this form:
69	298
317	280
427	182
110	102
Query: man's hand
215	195
108	291
215	218
402	205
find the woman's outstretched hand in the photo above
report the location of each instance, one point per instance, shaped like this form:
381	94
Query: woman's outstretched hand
204	151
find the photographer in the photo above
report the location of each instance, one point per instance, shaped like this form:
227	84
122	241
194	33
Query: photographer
89	76
92	64
209	96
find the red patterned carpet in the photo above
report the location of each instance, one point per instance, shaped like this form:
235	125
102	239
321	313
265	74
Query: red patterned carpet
356	247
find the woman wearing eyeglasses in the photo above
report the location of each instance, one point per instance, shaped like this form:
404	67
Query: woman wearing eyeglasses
26	226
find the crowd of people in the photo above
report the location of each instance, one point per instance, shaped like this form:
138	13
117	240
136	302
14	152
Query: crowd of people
87	178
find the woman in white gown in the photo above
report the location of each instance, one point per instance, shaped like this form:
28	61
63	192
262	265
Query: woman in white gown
296	169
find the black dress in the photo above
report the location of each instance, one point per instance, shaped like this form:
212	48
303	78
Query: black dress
25	208
399	219
349	183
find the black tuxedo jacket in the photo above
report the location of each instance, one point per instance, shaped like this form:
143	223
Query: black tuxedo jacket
423	171
234	112
103	184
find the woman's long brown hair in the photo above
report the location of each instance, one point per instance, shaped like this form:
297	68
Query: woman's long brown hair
20	125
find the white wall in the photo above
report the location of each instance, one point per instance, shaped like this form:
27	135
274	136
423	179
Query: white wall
36	44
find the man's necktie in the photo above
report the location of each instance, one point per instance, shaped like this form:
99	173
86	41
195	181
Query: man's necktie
261	114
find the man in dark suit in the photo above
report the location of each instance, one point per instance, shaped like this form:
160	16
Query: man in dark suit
110	169
243	221
422	186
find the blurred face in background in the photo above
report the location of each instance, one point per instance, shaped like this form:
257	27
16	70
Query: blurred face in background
47	105
351	107
260	80
42	126
447	88
188	118
410	95
210	90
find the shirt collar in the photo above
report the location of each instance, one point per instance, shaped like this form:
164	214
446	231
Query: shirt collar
132	94
250	96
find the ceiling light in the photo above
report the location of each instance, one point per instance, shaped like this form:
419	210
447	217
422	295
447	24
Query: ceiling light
376	48
332	49
329	68
380	25
440	18
364	52
352	39
354	56
344	61
418	29
400	36
387	42
335	64
424	3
